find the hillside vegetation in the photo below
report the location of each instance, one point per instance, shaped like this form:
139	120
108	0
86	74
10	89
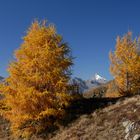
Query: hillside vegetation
90	119
115	122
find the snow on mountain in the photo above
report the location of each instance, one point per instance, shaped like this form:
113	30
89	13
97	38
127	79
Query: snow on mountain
85	85
99	78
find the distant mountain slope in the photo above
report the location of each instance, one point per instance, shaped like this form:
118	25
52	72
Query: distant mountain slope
1	78
81	83
98	91
96	80
85	85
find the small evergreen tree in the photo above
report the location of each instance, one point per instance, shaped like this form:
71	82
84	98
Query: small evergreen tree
36	92
125	64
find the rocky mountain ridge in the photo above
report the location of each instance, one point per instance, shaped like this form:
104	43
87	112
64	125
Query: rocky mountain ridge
1	78
85	85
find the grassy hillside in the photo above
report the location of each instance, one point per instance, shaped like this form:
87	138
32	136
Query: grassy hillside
115	122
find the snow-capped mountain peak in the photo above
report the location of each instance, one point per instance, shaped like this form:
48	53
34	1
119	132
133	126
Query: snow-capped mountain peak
98	77
85	85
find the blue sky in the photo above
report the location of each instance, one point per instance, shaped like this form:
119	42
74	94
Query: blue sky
89	26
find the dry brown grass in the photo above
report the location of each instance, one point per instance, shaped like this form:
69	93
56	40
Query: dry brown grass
104	124
4	130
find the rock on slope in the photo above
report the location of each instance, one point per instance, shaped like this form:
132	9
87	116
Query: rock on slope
116	122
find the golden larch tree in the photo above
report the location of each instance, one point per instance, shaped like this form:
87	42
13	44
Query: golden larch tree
125	64
36	91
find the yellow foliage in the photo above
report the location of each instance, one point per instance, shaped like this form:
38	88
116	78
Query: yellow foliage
125	64
112	90
115	94
36	91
